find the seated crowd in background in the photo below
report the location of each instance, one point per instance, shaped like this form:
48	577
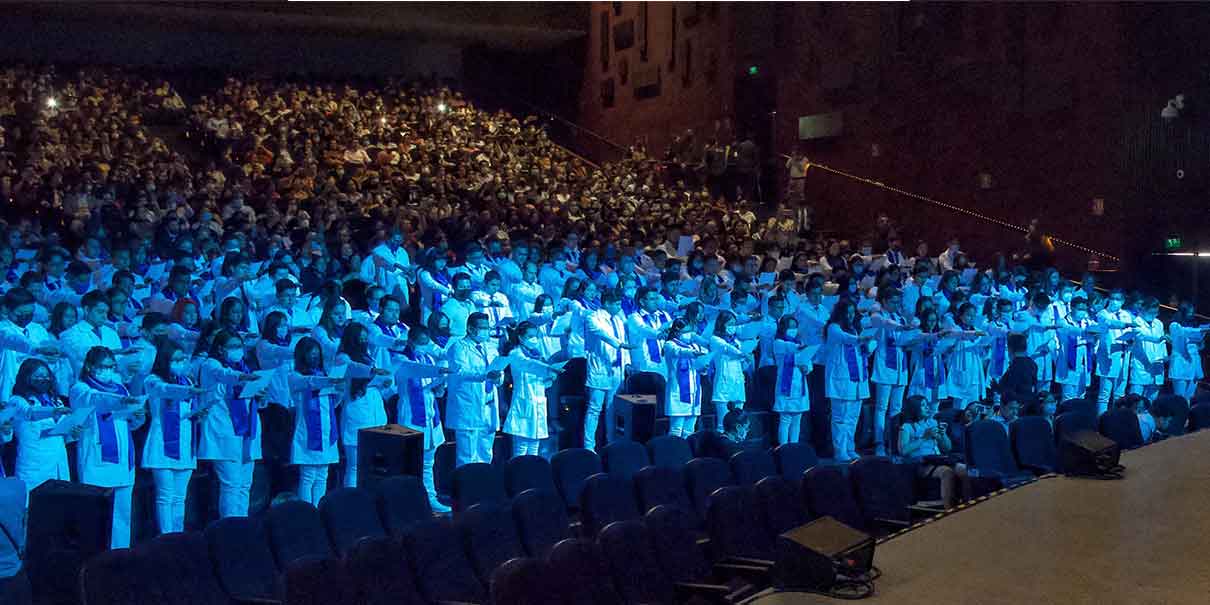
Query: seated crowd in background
355	255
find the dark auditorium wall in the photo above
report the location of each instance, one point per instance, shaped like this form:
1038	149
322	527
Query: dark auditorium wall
677	73
1029	95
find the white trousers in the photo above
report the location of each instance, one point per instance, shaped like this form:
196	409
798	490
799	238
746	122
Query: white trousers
845	413
350	478
1185	388
473	445
234	487
171	487
788	427
119	536
312	482
1147	390
426	474
524	446
888	401
598	400
1072	391
681	426
1111	388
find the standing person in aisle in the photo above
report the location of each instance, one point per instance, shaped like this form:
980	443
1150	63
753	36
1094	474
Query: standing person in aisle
532	375
608	356
845	375
230	435
791	397
170	450
473	410
1149	356
419	388
890	364
684	359
1113	353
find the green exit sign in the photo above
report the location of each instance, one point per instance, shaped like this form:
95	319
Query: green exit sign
753	70
1173	243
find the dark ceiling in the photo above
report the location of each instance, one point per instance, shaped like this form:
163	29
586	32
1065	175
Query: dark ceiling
512	25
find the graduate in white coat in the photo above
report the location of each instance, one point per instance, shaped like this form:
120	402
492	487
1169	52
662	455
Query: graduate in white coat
684	359
523	293
106	447
274	349
231	432
389	267
791	397
532	375
889	371
362	401
386	335
1077	335
472	410
732	363
91	331
928	345
965	376
1185	363
419	387
846	377
1149	356
1113	352
997	312
169	451
316	437
435	283
39	407
608	354
20	338
1039	325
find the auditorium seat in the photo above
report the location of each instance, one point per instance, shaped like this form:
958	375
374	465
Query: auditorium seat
242	559
624	458
381	574
829	492
1179	407
402	501
1073	422
570	468
444	460
1034	444
737	526
702	477
117	577
988	452
180	564
442	569
1122	426
655	486
541	518
1083	406
750	466
477	482
708	444
630	555
1199	416
296	531
314	580
580	567
606	498
490	535
525	581
349	514
528	472
884	491
669	451
783	503
793	459
684	561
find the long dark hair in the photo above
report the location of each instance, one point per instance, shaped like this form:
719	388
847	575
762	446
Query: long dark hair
913	409
56	317
163	359
840	317
351	344
269	327
302	356
22	385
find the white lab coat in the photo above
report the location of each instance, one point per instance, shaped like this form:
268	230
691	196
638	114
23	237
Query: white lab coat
928	359
218	440
39	459
1076	343
366	411
17	344
435	289
790	392
521	298
965	377
527	409
890	364
605	334
78	339
839	381
165	399
729	363
643	331
1147	358
387	277
418	398
314	416
94	469
472	401
683	388
1113	357
1186	360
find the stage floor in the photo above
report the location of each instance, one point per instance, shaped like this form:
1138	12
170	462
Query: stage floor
1142	540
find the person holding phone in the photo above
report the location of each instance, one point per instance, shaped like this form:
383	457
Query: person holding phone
924	440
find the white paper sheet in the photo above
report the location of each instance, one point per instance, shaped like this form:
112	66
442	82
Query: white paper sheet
65	424
684	246
257	386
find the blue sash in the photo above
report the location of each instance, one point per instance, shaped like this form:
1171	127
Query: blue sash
653	345
930	368
998	351
170	423
891	361
786	380
105	428
415	387
314	420
629	306
684	381
441	278
1092	358
243	417
851	360
1072	349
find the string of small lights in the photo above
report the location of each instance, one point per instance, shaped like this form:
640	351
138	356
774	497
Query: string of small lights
958	209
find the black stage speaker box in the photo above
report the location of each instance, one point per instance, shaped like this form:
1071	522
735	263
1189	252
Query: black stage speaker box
385	451
636	416
813	557
68	524
1089	453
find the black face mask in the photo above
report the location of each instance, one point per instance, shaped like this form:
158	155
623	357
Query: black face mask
462	294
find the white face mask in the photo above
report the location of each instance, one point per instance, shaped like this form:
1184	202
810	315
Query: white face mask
792	333
1066	297
235	355
178	368
530	342
282	332
108	375
730	329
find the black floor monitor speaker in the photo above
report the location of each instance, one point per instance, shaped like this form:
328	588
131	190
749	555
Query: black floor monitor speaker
636	416
386	451
815	556
68	524
1089	453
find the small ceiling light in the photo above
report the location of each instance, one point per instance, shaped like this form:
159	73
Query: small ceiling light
441	107
52	102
